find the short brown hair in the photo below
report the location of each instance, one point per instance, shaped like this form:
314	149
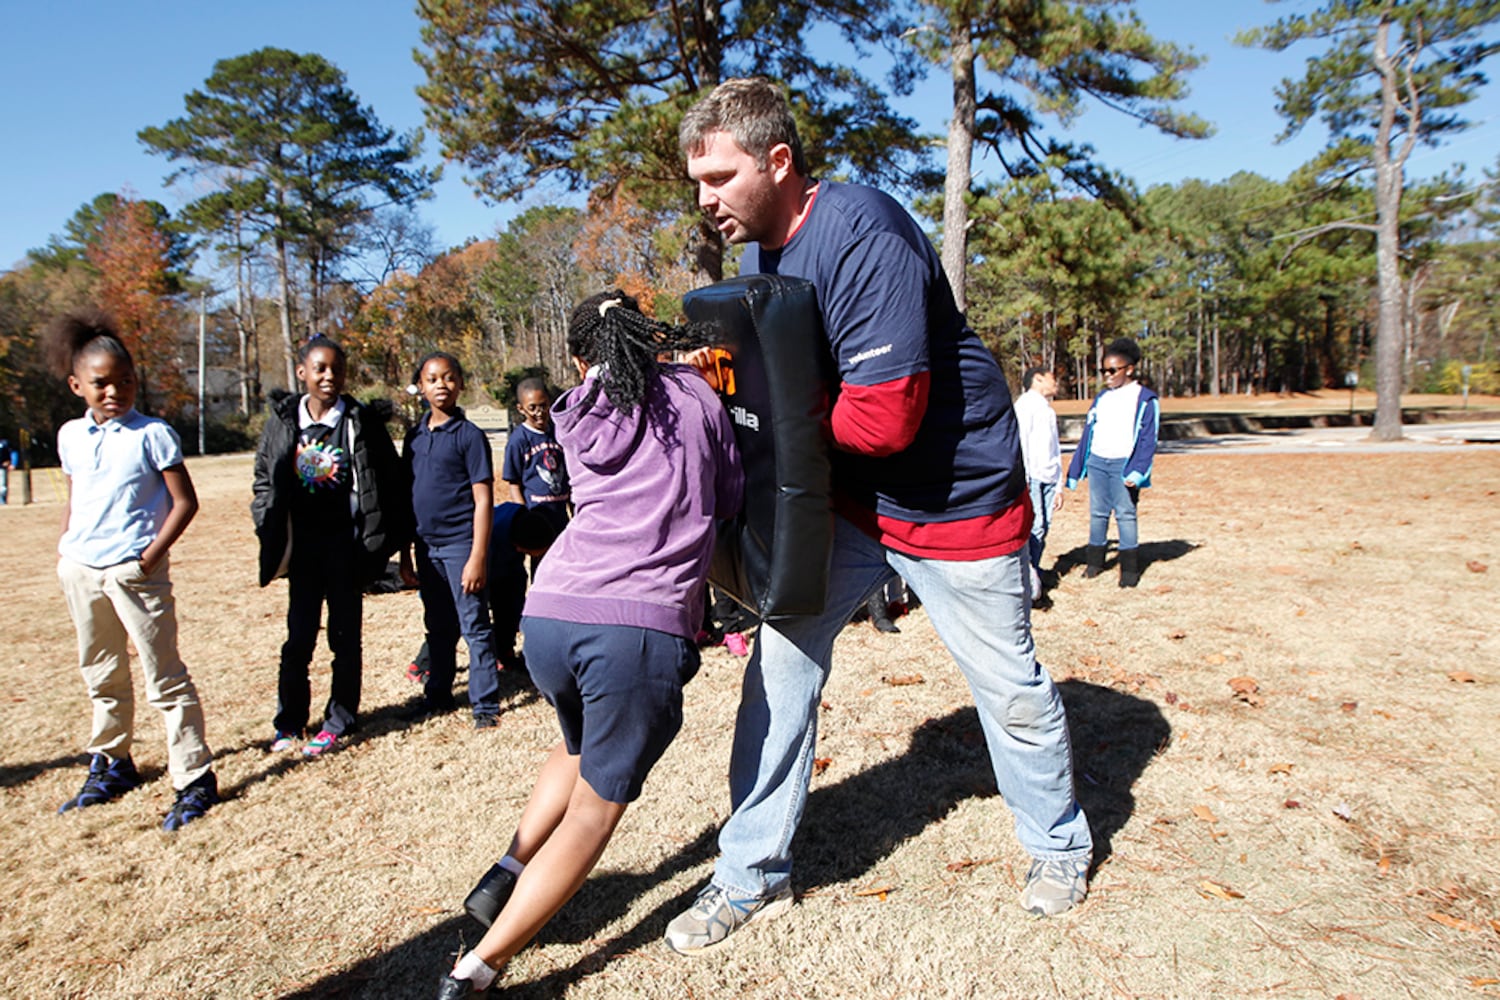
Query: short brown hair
751	109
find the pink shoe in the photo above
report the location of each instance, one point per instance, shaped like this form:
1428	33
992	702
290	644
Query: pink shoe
737	644
320	744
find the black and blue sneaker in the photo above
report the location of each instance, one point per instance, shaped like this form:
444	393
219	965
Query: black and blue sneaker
107	781
192	802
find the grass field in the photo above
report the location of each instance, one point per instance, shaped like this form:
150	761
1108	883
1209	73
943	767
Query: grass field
1285	742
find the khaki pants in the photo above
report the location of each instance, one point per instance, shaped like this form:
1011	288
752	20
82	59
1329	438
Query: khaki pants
108	606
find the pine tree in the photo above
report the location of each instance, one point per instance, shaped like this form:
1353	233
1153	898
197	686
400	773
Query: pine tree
293	158
1390	77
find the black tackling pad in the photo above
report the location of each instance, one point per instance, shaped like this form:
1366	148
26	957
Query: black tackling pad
772	373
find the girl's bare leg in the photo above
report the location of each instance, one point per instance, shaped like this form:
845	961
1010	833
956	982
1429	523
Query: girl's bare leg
547	805
563	850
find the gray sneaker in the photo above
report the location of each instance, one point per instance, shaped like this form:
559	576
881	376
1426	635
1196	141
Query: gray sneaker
1055	886
715	915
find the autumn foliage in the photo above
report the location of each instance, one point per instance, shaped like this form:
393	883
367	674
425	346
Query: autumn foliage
408	315
131	256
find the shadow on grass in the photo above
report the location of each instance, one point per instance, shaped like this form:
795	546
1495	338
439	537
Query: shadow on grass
1076	558
515	692
12	775
414	967
849	828
1115	736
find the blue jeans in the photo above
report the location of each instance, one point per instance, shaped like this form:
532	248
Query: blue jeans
1043	499
449	612
1108	494
981	610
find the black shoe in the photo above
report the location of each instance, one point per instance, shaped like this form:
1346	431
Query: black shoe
192	802
458	989
107	781
488	898
1095	561
879	613
1130	567
486	720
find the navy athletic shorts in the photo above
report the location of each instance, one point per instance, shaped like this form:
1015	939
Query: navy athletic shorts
617	690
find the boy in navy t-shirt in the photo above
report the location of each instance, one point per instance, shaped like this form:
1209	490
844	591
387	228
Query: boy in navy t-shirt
534	471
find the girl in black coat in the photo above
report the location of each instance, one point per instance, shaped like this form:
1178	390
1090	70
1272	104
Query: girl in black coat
330	508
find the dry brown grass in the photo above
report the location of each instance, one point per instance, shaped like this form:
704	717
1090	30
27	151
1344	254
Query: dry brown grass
1331	833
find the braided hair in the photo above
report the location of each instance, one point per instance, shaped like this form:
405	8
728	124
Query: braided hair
609	329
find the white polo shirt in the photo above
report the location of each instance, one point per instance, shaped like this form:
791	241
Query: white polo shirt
119	497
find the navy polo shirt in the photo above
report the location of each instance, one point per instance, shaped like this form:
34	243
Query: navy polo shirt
446	462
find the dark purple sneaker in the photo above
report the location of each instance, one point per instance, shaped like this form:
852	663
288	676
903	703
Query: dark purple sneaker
192	802
107	781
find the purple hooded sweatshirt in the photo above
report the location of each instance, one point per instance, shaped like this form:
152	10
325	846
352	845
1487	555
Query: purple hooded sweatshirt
647	489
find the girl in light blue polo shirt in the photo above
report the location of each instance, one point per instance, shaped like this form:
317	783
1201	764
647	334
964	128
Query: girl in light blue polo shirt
129	498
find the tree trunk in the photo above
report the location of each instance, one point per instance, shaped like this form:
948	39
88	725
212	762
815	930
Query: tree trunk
314	289
1388	322
960	159
284	308
708	252
243	332
1198	349
243	335
1388	184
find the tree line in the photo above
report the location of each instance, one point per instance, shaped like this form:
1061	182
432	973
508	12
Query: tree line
307	210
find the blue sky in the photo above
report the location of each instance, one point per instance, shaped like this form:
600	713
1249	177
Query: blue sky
82	77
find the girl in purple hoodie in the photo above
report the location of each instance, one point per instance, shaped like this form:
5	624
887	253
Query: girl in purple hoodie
612	614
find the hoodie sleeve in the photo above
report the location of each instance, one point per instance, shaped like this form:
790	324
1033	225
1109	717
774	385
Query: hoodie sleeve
1143	455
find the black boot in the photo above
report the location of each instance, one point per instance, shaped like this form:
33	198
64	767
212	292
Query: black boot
1130	567
1096	562
880	614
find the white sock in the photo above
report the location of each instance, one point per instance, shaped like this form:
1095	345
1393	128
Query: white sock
511	865
474	969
